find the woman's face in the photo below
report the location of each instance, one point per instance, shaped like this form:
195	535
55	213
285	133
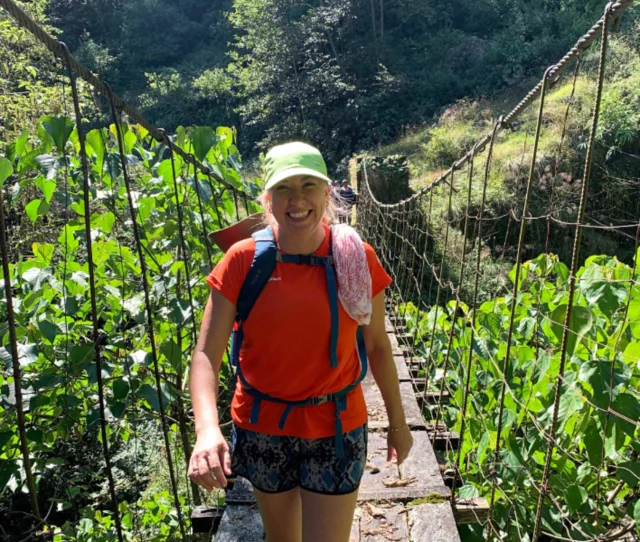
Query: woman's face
298	203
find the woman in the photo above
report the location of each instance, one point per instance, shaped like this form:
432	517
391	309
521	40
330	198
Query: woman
305	487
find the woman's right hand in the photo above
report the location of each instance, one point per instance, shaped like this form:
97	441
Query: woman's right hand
210	460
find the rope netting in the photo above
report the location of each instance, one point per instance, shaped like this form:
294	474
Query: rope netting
100	309
538	375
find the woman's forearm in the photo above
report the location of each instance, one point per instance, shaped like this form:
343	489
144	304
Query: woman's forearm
204	386
385	375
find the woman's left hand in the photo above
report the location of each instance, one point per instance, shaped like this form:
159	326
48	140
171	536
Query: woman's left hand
399	443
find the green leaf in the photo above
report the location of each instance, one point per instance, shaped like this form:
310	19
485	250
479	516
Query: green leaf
43	252
575	497
570	403
468	492
609	296
81	354
225	139
490	321
6	169
150	395
120	388
629	471
59	128
67	238
130	140
593	444
95	138
5	436
36	276
628	405
580	324
103	222
117	408
32	209
636	516
598	375
203	138
49	330
523	274
634	317
35	435
78	207
48	187
632	353
21	143
172	352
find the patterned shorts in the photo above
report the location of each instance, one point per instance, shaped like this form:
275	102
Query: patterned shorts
274	464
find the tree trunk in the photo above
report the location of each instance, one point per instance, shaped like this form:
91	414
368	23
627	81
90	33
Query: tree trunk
375	32
333	47
381	20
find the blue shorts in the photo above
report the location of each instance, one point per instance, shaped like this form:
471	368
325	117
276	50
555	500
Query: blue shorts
274	464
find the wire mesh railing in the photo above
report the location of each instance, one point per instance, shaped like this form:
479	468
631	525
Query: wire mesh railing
540	378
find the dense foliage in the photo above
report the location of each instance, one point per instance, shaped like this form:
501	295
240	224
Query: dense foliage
344	75
49	277
595	471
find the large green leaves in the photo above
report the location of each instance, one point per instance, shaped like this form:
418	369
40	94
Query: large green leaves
59	128
580	323
6	169
203	138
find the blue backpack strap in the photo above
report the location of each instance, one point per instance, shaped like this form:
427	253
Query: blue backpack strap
262	267
332	285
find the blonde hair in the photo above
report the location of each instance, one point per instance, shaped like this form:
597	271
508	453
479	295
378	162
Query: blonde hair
335	207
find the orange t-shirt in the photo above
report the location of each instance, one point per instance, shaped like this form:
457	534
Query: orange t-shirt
285	352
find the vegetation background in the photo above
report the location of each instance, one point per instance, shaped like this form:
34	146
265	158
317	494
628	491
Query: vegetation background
416	77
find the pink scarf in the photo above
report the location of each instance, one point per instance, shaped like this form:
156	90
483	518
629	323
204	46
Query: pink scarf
354	278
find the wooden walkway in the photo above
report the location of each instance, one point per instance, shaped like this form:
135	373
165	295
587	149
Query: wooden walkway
392	506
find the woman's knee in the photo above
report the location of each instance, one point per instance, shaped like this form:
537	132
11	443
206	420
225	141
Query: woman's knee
327	518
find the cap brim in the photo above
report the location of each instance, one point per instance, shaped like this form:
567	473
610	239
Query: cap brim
227	237
293	172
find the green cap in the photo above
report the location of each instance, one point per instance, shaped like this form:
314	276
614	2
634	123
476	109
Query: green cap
291	159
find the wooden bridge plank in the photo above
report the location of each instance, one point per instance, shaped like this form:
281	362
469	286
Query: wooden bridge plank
471	510
403	370
432	523
240	522
241	493
377	412
421	472
383	521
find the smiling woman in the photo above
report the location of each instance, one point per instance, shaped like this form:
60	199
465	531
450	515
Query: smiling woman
307	299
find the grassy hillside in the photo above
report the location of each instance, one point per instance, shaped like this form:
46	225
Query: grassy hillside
614	187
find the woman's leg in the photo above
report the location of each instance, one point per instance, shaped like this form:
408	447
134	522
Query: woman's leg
281	515
271	465
327	518
329	486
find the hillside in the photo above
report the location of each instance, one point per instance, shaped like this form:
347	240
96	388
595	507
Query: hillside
615	183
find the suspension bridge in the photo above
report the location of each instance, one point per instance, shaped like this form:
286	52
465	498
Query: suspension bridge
524	404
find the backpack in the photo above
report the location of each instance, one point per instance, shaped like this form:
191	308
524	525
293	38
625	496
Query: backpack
264	262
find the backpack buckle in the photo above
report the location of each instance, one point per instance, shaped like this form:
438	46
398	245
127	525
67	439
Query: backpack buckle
322	399
305	259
